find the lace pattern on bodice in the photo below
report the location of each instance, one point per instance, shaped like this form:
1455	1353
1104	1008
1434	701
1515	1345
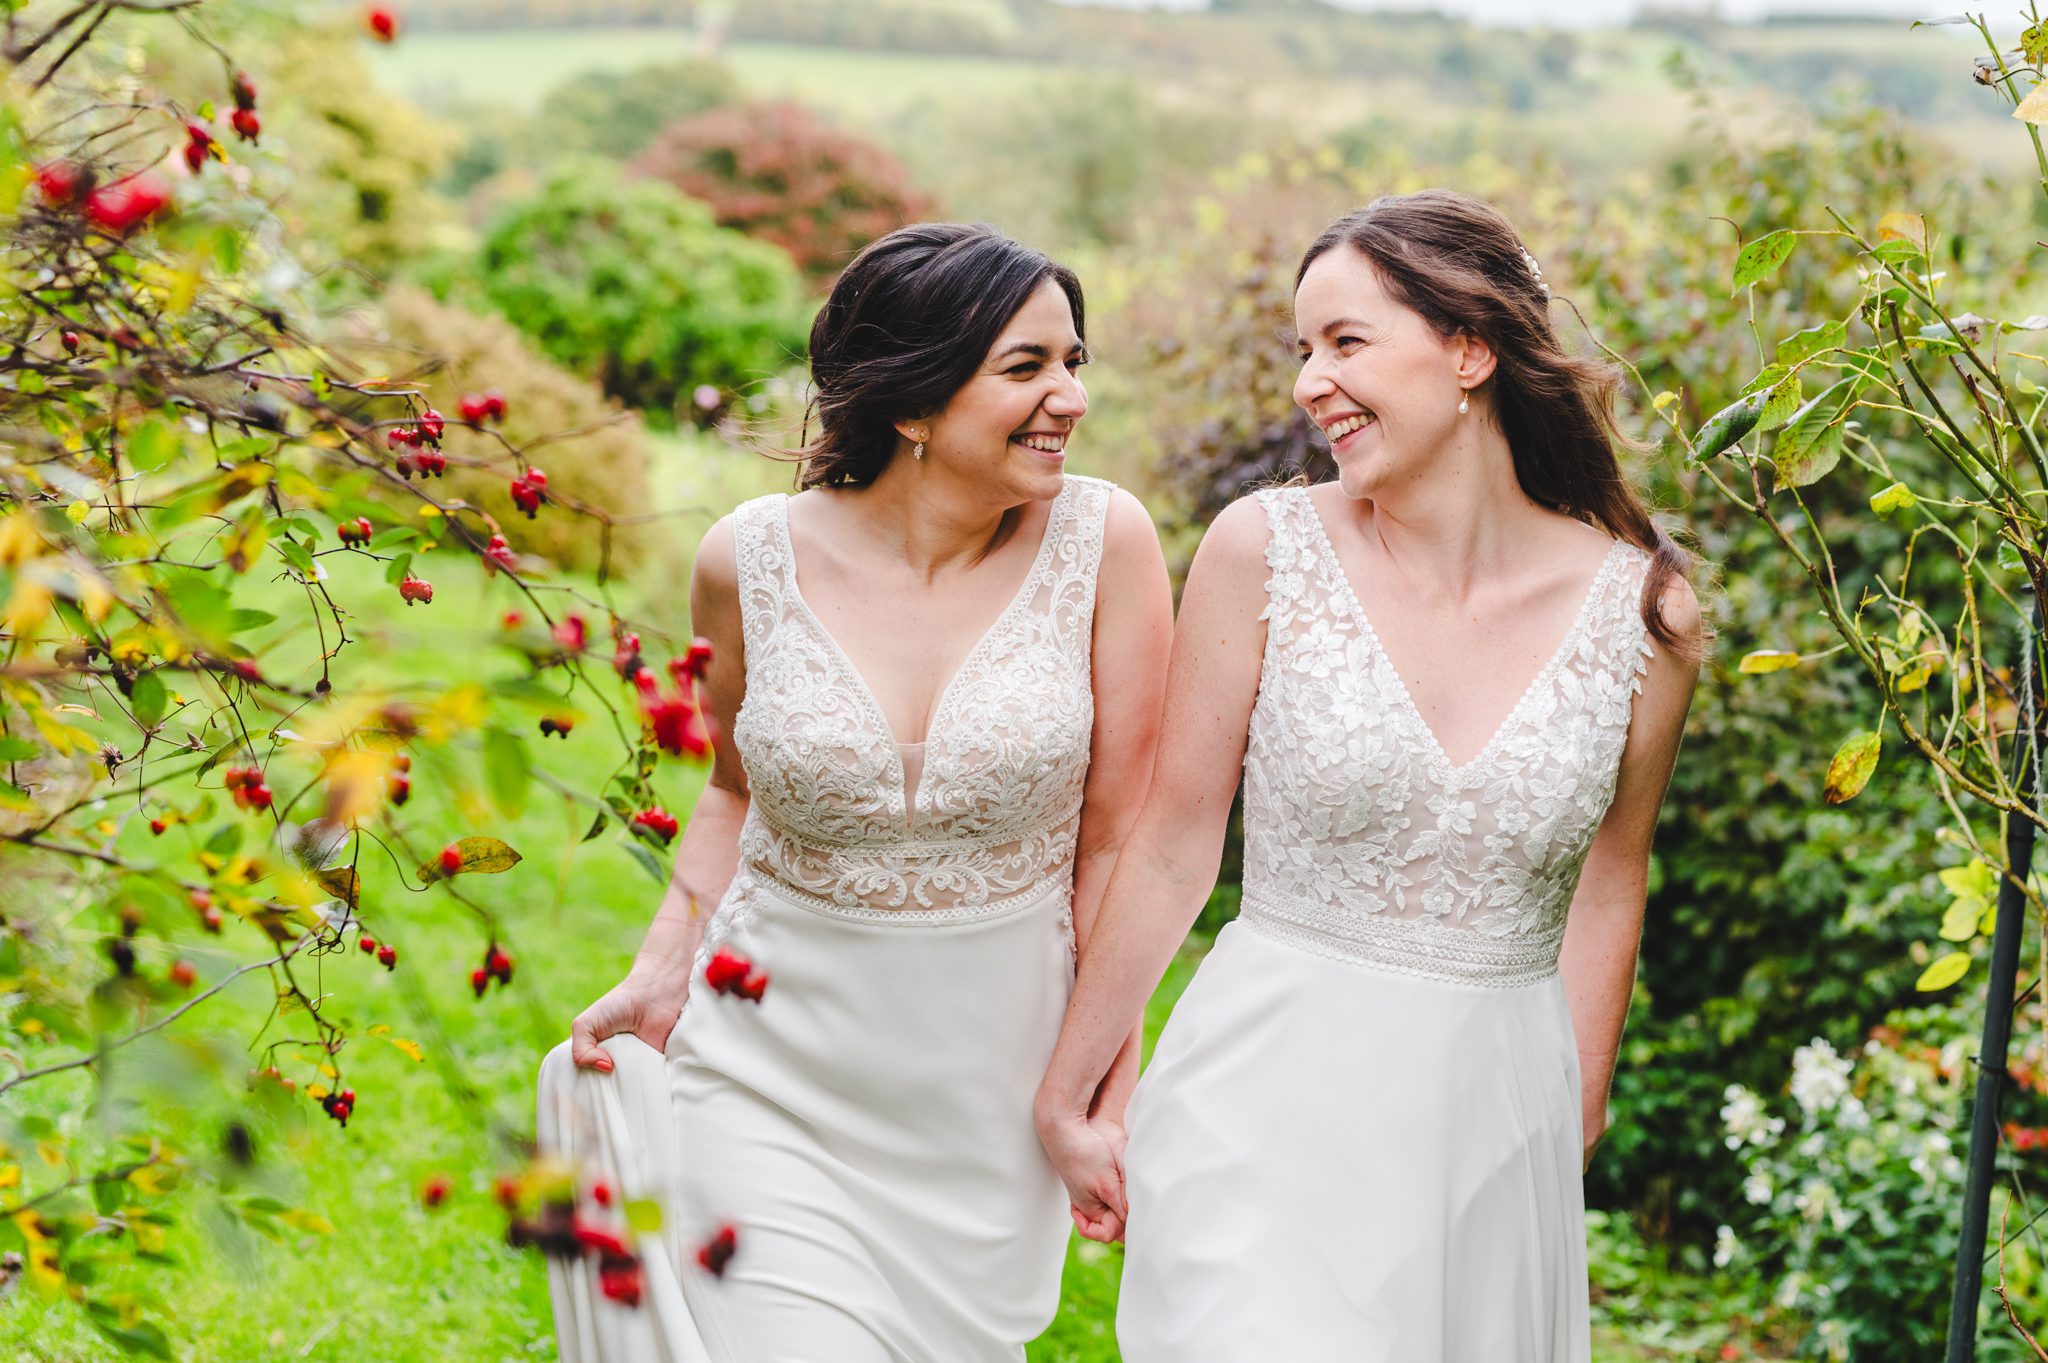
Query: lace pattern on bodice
834	822
1362	841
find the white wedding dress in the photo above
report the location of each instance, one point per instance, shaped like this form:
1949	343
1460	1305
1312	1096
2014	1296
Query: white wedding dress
1359	1138
866	1128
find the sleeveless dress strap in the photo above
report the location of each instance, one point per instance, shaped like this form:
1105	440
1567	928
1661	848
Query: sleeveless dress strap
762	548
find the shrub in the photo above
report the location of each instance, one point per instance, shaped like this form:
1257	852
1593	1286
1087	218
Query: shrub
780	173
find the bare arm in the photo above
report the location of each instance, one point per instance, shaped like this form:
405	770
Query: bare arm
1168	865
1604	927
651	997
1132	636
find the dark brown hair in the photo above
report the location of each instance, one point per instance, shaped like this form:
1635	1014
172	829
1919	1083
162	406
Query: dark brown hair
903	330
1455	260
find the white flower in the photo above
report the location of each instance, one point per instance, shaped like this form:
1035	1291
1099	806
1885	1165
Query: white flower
1757	1189
1815	1199
1726	1247
1820	1077
1746	1121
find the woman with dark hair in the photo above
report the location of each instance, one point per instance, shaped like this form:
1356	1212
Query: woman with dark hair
940	667
1454	681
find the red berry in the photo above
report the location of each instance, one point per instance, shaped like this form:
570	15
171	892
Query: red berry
387	956
597	1238
70	340
451	859
659	822
479	981
573	634
210	917
498	965
752	987
434	1191
626	656
473	408
601	1194
718	1251
255	797
512	620
619	1278
246	124
398	788
494	405
244	91
183	975
500	553
368	944
383	23
557	725
697	659
506	1191
414	589
432	424
198	145
356	531
157	826
126	204
725	970
59	182
432	463
527	494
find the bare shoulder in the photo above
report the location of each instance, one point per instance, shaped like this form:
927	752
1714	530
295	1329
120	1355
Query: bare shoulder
716	570
1126	523
1235	540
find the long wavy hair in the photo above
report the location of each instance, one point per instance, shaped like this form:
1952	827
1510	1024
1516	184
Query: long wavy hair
1460	264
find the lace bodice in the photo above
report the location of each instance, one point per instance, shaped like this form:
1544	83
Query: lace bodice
1362	840
840	817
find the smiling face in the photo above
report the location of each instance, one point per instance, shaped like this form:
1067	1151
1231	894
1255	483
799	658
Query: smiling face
1009	424
1379	382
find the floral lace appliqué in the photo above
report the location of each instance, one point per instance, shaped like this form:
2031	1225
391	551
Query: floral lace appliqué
835	823
1362	840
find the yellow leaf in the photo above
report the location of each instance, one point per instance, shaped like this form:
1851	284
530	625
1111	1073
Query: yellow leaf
52	1153
1959	924
306	1220
155	1179
1944	972
1913	673
1851	767
411	1048
317	1091
330	1071
10	1175
1665	400
429	511
149	1236
2034	108
1903	227
1767	660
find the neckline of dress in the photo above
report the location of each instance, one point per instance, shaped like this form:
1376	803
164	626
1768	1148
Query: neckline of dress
860	686
1454	773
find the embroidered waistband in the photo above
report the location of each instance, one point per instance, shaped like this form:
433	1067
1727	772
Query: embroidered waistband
1002	907
1404	945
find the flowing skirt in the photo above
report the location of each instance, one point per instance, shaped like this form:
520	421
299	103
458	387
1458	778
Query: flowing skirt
1332	1162
866	1129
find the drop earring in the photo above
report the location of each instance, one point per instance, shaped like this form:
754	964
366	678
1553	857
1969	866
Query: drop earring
918	452
1464	404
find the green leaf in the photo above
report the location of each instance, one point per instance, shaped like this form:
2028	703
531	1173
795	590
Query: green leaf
17	749
1897	252
643	1214
506	770
1811	445
225	840
1727	426
143	1337
1851	767
1763	257
1894	498
294	553
392	535
649	863
2034	44
1943	972
149	699
1804	345
152	445
395	571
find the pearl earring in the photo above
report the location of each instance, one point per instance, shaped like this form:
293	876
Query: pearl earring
1464	404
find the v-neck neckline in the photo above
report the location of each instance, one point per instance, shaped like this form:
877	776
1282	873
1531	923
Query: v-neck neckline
860	686
1455	772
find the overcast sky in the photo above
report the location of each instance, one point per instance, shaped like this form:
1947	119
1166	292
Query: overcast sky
1594	13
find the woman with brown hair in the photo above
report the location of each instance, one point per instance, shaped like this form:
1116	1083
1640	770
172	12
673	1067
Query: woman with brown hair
1454	681
935	682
